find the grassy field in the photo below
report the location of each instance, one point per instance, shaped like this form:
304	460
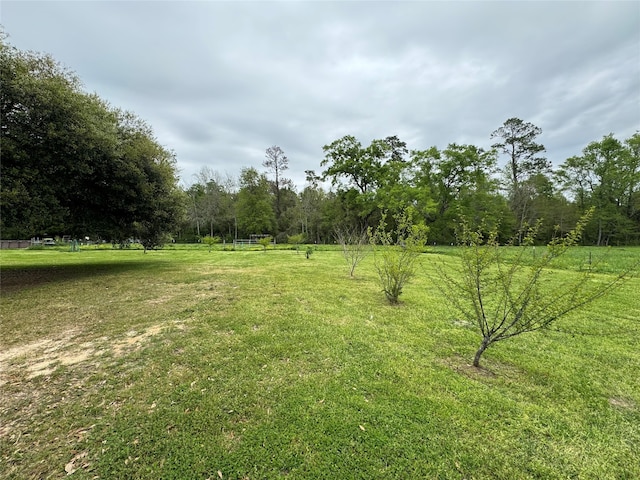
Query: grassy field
247	365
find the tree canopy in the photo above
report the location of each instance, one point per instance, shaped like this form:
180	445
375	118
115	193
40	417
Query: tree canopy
72	164
443	185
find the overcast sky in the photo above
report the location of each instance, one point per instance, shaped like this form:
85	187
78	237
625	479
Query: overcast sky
220	82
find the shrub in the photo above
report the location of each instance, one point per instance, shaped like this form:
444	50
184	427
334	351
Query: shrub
210	241
296	240
396	252
265	242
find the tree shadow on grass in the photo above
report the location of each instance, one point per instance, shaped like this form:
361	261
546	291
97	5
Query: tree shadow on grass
16	279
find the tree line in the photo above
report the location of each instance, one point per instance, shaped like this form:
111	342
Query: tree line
440	186
73	164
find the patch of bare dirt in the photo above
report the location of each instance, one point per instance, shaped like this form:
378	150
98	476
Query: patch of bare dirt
135	340
42	357
160	300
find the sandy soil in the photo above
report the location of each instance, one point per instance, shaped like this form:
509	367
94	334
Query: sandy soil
43	356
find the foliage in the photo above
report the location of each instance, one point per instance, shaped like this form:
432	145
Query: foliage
313	199
517	140
296	240
254	206
462	180
505	292
71	164
277	162
354	244
607	176
211	202
439	186
288	222
210	241
265	242
346	159
151	238
365	175
309	251
396	252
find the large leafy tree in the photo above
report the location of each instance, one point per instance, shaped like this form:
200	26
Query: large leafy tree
458	181
71	164
211	204
348	165
353	171
367	177
517	140
254	205
277	162
135	192
49	133
312	200
288	222
466	186
633	185
395	187
607	176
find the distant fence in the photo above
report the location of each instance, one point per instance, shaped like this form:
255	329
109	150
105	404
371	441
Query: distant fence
254	240
4	244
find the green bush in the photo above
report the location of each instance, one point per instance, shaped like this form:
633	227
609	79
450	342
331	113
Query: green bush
396	251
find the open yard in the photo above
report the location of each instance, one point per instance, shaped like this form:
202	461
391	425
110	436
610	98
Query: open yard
247	365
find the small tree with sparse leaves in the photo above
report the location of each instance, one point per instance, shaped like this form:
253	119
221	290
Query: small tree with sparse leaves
396	252
210	241
505	290
265	242
355	246
296	240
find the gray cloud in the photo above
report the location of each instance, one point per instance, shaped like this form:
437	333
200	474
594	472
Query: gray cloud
222	81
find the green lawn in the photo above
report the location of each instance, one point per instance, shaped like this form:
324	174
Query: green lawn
247	365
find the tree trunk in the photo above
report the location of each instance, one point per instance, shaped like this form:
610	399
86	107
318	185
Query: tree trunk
483	347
